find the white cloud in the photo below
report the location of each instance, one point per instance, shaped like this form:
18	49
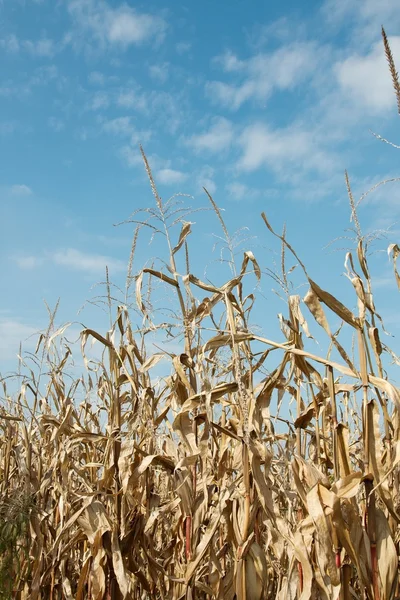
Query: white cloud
262	74
159	73
28	262
12	333
170	176
384	281
132	99
229	62
217	138
99	101
165	109
366	80
96	78
44	47
55	124
280	149
129	27
122	26
131	156
89	263
365	18
10	43
121	126
241	191
183	47
20	190
205	179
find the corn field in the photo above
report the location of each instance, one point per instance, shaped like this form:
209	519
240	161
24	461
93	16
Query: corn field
118	484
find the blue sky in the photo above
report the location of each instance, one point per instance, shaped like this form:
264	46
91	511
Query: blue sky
265	104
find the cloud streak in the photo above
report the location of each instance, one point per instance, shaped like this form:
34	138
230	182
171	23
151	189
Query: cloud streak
259	76
85	262
365	79
218	137
119	27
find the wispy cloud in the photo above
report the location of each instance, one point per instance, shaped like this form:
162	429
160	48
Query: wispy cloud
385	281
70	258
183	47
108	26
206	179
365	79
99	101
41	48
121	126
218	137
45	47
279	149
10	43
132	98
130	155
23	87
55	124
241	191
164	108
159	73
260	75
88	263
28	262
20	189
13	332
365	18
96	78
170	176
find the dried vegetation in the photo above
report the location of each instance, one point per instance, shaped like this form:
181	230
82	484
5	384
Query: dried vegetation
186	487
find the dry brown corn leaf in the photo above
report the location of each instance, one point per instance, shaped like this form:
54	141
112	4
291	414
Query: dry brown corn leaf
162	276
83	577
249	256
362	259
394	250
216	393
387	556
118	565
151	362
294	303
307	475
361	297
375	456
350	532
185	231
74	517
90	332
94	521
183	425
342	435
305	418
323	531
251	574
208	534
138	293
313	303
97	575
300	550
337	307
180	371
